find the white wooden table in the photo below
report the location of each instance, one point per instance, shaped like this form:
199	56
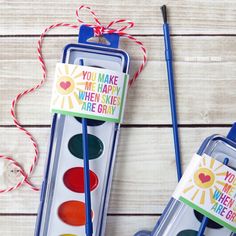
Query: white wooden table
204	46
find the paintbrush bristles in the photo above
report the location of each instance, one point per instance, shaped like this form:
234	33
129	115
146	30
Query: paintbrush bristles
164	13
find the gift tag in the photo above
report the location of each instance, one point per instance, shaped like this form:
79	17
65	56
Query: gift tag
89	92
209	187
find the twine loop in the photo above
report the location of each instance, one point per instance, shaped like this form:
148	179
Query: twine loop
99	30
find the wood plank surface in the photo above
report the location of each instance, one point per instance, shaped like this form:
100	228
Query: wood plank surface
204	74
142	152
116	225
186	16
204	49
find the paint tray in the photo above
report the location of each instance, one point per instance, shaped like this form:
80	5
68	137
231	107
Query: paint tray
181	220
62	201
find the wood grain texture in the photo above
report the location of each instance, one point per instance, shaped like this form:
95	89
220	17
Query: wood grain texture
186	16
204	74
142	152
204	62
116	225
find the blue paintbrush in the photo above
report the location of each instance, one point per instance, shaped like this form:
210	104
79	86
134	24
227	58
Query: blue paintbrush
89	223
168	56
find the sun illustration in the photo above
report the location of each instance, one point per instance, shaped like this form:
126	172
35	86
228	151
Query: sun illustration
206	179
67	87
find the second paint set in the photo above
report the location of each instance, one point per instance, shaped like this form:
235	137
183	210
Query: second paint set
182	220
63	208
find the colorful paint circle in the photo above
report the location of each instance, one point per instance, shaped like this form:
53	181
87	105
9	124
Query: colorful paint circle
91	122
188	232
95	146
74	179
211	224
72	213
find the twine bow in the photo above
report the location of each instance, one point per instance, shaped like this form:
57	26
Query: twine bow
99	30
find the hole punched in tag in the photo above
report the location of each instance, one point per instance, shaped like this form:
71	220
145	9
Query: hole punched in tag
99	40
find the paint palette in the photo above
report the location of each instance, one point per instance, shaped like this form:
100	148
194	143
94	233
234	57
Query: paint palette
62	208
179	219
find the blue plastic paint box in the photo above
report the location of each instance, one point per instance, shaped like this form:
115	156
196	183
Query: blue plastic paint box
62	201
178	218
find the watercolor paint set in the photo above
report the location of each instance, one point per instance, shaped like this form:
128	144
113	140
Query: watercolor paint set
182	220
62	203
206	187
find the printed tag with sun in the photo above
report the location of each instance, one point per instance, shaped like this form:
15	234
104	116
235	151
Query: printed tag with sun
89	92
209	187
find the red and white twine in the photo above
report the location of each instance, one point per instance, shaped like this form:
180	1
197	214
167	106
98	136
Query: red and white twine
99	30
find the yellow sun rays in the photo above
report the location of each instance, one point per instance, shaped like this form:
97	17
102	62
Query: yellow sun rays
63	102
212	163
209	173
188	189
68	87
220	182
218	167
211	196
202	200
195	194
